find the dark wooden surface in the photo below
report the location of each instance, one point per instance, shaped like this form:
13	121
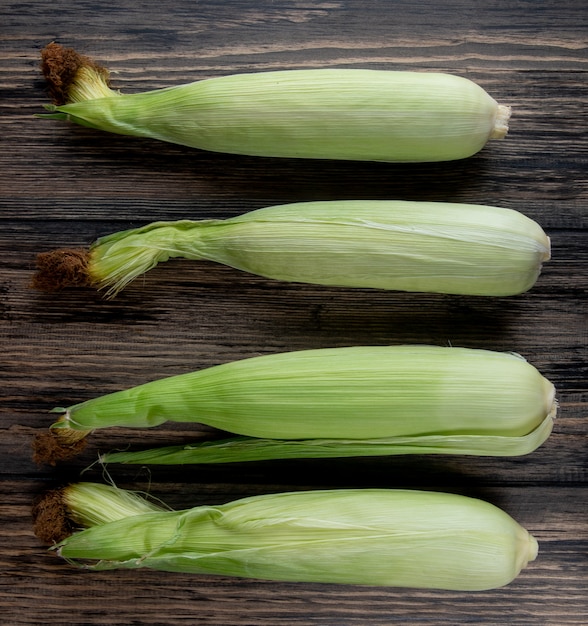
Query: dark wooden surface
63	185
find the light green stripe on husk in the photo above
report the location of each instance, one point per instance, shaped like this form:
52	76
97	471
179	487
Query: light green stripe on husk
239	449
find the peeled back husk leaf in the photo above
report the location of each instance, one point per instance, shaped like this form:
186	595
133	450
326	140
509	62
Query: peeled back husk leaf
240	449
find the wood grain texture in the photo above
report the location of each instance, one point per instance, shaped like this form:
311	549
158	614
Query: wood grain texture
62	185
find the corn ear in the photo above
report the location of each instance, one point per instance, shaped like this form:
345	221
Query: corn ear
365	537
322	113
356	393
397	245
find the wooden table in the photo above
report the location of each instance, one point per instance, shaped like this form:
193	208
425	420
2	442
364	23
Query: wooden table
63	186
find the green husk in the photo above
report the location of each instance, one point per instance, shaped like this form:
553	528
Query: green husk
364	537
411	246
240	449
320	113
354	393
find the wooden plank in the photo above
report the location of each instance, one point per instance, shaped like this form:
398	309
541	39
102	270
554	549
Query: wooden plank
63	185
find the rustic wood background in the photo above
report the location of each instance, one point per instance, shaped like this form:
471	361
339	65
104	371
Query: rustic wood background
63	185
